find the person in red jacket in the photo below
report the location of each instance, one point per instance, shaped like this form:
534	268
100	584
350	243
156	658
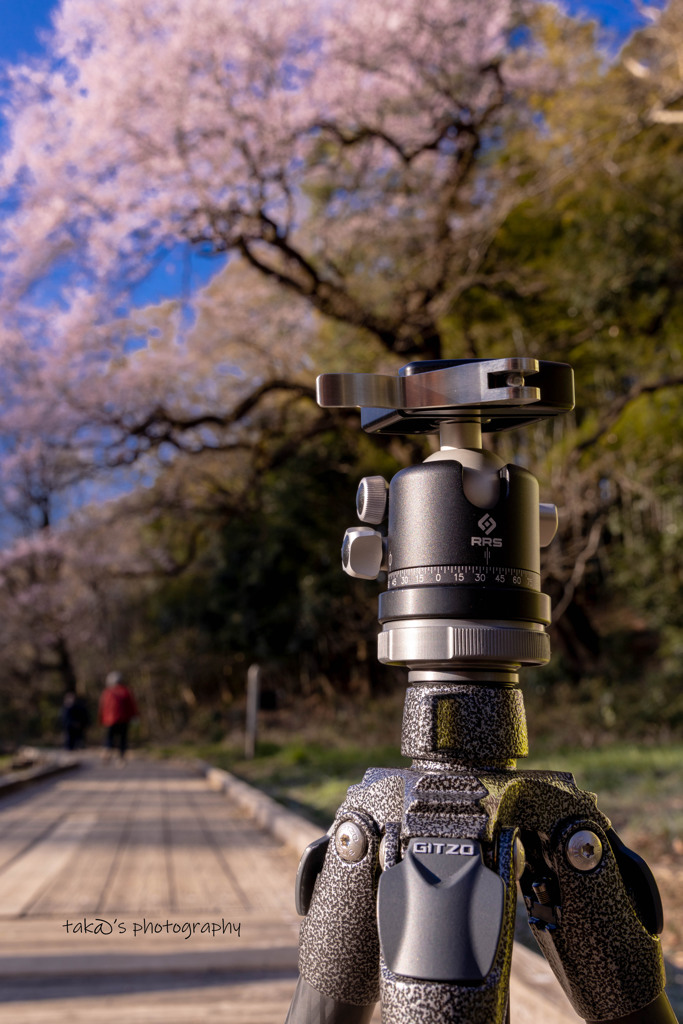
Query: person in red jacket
117	708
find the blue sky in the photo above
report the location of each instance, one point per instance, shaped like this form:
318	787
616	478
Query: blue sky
20	22
620	16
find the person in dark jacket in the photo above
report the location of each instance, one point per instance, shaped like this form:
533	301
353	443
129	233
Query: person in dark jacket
75	720
117	708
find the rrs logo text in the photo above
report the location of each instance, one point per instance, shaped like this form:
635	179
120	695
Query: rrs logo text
462	849
487	542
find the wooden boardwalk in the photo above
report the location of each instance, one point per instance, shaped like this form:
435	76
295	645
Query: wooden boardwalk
179	908
132	858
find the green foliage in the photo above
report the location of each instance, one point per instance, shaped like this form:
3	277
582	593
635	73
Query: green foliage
267	584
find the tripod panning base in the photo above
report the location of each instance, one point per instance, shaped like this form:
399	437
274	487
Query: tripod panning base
410	897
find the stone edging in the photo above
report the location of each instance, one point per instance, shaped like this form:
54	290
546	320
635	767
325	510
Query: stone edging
27	776
287	826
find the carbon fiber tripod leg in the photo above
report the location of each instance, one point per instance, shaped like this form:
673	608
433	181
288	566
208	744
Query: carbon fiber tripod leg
339	945
312	1007
657	1012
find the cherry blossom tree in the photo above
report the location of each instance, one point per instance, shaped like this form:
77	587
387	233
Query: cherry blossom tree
365	171
336	152
292	134
332	150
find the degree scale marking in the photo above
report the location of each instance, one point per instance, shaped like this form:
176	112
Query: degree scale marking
465	575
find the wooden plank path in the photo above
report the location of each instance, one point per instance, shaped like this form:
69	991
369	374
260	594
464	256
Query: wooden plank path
145	852
149	844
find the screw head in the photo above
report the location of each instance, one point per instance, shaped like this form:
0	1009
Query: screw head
584	850
350	842
518	858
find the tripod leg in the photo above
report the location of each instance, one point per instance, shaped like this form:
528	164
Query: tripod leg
312	1007
596	917
339	945
657	1012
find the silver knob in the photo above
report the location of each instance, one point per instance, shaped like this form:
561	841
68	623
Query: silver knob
548	523
371	499
362	552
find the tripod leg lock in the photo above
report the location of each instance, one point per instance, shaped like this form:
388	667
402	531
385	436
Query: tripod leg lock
604	948
310	866
339	947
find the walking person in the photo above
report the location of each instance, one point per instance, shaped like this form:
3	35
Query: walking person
75	720
117	708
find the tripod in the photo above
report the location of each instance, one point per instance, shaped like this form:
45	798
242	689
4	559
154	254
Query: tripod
410	897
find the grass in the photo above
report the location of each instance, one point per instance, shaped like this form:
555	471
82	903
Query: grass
311	778
639	787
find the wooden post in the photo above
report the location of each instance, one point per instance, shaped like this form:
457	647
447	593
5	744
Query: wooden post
253	695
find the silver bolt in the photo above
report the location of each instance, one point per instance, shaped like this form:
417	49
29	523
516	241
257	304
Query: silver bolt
518	858
350	842
541	892
584	850
514	380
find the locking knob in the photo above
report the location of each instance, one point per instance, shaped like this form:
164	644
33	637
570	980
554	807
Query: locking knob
548	523
362	552
371	499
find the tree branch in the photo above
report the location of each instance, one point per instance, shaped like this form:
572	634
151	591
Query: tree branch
327	297
615	409
590	548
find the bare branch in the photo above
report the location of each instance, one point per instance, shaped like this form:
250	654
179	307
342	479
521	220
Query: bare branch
615	409
589	550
